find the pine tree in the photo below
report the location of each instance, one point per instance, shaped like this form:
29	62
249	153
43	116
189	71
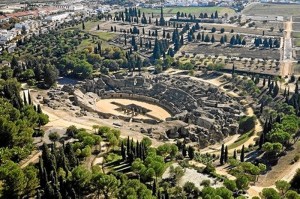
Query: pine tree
243	154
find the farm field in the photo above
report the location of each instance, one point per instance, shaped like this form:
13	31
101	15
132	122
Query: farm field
297	69
191	10
297	54
297	42
296	26
296	19
272	9
241	30
296	34
234	52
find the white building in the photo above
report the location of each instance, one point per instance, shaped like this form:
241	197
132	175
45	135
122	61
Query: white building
76	7
58	17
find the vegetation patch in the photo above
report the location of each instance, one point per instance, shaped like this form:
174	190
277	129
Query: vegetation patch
241	140
191	10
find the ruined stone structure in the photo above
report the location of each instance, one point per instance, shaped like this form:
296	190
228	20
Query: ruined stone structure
208	114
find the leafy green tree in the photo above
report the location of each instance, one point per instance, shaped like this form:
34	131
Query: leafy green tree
242	182
290	194
295	182
105	184
32	181
51	75
269	193
230	184
176	172
190	189
14	180
81	178
54	136
282	186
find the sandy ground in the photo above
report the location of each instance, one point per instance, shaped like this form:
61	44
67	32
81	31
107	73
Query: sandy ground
191	175
287	62
106	106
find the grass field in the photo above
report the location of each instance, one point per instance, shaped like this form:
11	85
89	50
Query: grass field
296	34
104	36
296	69
241	140
191	10
265	9
297	42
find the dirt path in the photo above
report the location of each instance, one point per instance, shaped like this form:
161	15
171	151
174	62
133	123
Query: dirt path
230	140
34	158
257	129
287	58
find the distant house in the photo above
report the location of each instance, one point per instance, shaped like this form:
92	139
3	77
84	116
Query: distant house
58	17
4	18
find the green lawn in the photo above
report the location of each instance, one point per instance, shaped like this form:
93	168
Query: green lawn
105	36
265	9
296	34
89	26
241	140
191	10
297	42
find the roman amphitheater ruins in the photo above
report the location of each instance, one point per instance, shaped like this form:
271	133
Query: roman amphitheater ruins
199	112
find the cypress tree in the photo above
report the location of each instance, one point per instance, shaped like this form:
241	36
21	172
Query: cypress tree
222	155
132	146
137	149
191	152
243	154
123	153
261	140
128	146
154	191
83	26
226	154
234	154
184	150
39	109
29	98
24	98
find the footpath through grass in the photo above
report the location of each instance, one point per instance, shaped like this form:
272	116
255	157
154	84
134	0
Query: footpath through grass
241	140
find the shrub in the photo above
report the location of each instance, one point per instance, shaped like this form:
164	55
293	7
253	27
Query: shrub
296	158
247	123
